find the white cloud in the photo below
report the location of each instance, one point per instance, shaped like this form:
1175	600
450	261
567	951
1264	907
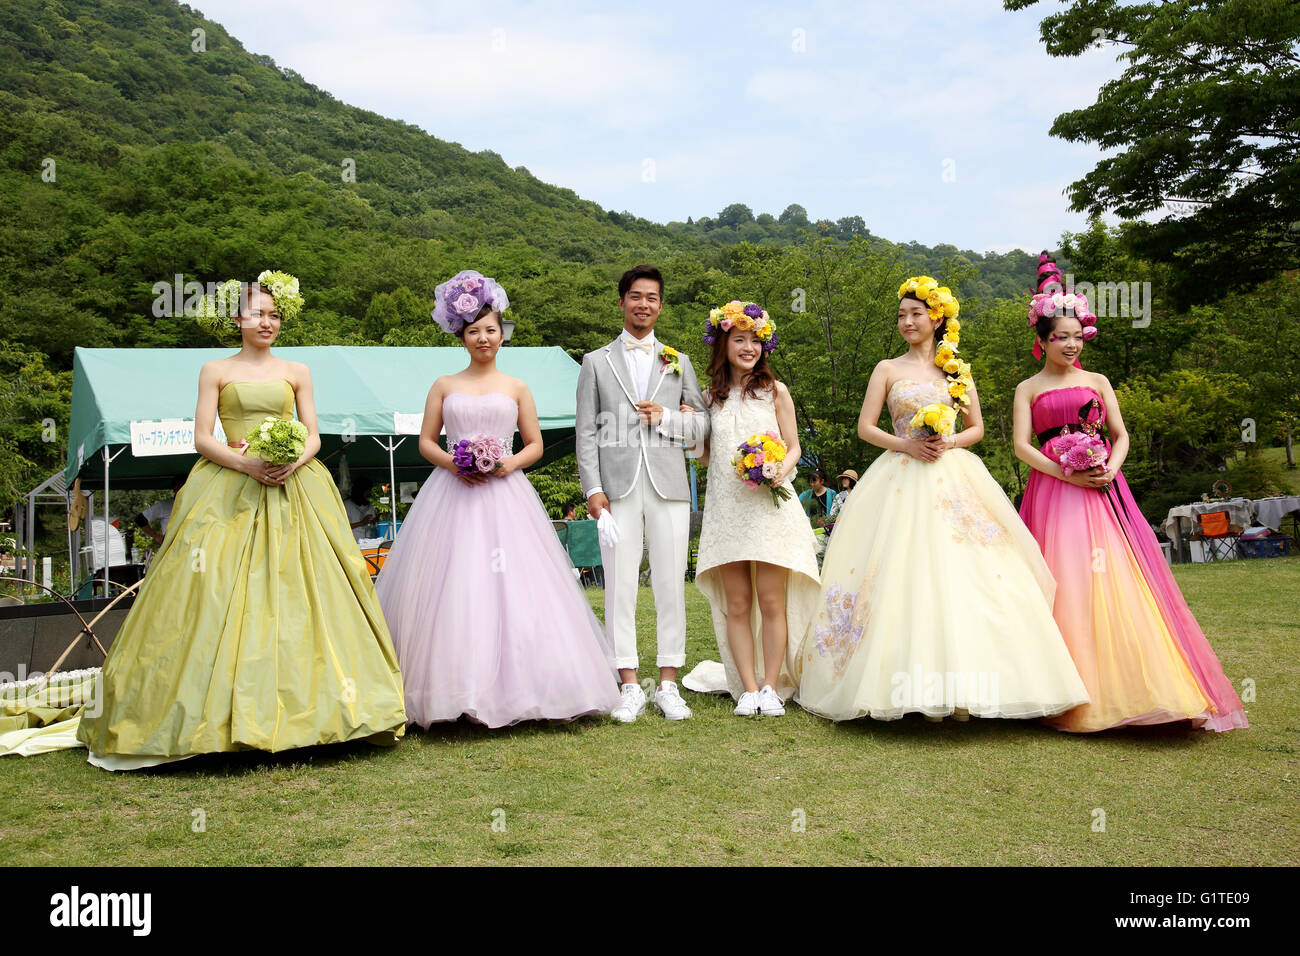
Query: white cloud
856	121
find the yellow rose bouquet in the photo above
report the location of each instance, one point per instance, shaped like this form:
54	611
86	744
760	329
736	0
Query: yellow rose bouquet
935	418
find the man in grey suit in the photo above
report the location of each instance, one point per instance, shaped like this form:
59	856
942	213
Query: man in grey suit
630	432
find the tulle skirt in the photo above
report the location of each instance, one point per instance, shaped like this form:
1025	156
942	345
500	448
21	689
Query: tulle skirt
486	613
1138	648
934	600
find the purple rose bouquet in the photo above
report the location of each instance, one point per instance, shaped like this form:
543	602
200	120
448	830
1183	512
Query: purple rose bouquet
478	455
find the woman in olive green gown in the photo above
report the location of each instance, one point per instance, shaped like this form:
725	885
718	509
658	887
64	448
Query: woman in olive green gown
257	626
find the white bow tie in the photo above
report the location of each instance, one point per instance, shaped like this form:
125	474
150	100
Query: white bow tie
646	347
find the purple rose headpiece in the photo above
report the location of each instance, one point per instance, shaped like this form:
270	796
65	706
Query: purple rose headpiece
459	299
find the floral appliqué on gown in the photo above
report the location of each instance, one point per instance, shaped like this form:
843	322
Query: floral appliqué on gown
934	596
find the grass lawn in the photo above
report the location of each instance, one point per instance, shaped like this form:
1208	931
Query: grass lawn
720	789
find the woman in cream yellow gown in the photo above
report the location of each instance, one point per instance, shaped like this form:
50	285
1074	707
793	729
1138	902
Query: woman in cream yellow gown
257	626
935	598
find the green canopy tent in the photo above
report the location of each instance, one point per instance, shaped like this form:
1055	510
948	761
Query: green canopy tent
133	409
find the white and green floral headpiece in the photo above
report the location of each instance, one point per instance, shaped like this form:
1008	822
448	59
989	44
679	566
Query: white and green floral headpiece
219	313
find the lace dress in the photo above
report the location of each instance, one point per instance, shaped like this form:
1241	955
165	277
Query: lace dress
742	524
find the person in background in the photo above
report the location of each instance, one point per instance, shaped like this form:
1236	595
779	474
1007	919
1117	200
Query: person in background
817	500
160	511
848	479
361	513
570	512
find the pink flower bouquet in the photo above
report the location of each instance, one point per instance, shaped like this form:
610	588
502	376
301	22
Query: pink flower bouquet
1077	451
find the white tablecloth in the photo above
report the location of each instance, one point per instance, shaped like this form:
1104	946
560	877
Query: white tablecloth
1181	521
1270	511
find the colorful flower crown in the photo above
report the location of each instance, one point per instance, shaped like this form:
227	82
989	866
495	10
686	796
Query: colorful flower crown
745	316
1052	299
460	299
937	298
219	312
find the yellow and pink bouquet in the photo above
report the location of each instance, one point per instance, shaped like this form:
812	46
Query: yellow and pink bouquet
758	462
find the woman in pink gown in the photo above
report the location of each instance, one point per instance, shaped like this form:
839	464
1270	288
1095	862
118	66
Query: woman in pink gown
1137	646
481	599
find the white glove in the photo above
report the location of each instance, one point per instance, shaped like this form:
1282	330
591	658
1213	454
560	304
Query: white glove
607	529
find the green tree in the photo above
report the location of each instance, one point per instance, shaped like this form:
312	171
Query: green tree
1180	422
34	405
737	214
833	303
1206	122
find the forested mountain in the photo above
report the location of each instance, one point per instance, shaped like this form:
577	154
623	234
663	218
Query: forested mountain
129	156
133	149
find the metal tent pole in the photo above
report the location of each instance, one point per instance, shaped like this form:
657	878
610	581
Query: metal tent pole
29	545
108	557
72	570
388	444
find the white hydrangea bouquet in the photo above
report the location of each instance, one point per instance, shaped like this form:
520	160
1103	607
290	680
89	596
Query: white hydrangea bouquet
281	441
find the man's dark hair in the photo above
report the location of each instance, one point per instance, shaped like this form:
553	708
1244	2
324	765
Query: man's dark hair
360	491
640	272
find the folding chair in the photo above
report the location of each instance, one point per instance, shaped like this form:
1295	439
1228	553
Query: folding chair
375	558
1216	532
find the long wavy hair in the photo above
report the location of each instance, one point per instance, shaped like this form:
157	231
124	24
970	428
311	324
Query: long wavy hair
760	377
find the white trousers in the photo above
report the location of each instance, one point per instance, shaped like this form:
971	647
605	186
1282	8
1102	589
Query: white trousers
646	520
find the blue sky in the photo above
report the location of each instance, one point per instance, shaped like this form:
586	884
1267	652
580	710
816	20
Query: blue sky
929	119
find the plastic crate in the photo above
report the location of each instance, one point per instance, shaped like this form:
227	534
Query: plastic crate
1264	547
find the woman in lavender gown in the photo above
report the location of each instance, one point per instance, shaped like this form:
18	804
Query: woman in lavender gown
485	611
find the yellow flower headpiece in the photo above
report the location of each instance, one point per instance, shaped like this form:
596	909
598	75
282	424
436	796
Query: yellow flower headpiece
942	304
937	298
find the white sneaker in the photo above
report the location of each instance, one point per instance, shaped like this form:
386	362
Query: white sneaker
769	702
670	702
631	706
748	704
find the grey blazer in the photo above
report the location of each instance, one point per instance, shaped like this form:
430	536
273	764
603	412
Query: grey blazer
614	447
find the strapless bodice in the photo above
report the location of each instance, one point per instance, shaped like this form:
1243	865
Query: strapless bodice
242	406
1074	408
906	397
465	415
